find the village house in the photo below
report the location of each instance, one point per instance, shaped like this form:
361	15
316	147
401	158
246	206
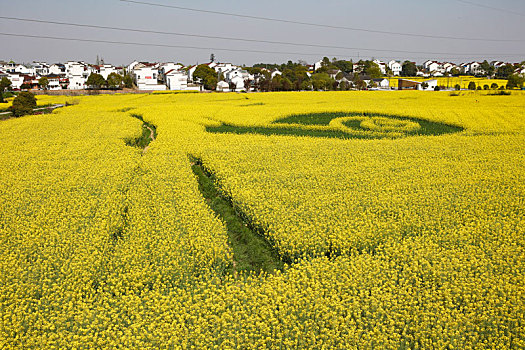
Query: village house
54	82
190	70
405	84
106	69
223	86
223	67
275	72
57	68
16	80
31	82
236	78
146	76
317	65
472	68
382	83
176	80
497	64
395	67
333	73
164	68
3	74
432	66
41	68
19	68
382	66
77	73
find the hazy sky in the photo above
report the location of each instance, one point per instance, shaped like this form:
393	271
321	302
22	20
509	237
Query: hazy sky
453	18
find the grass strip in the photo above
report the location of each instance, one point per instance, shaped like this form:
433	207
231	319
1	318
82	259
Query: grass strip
149	133
251	251
427	127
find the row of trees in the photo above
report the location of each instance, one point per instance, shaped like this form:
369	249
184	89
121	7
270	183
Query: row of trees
114	81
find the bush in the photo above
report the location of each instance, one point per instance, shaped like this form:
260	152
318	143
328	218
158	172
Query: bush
23	104
501	93
479	87
472	85
437	88
457	87
485	87
494	86
515	81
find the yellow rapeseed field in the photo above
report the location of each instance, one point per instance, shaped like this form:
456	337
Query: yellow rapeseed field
451	82
397	240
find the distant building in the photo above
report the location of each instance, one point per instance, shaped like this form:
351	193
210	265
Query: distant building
382	83
146	78
223	86
395	67
16	80
405	84
77	73
381	65
106	69
176	80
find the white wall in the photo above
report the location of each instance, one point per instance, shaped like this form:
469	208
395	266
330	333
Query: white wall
177	81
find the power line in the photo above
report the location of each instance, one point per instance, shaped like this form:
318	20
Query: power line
319	25
216	49
491	7
160	45
232	38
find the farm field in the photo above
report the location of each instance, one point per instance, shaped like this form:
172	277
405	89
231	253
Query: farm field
386	220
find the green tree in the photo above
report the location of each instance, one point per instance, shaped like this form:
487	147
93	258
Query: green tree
472	85
322	81
286	84
344	85
408	69
487	68
306	85
515	81
360	84
374	71
43	83
23	104
505	71
344	66
115	80
494	86
276	83
5	84
128	81
96	81
455	72
206	76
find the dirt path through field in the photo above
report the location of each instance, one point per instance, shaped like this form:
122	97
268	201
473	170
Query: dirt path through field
151	136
